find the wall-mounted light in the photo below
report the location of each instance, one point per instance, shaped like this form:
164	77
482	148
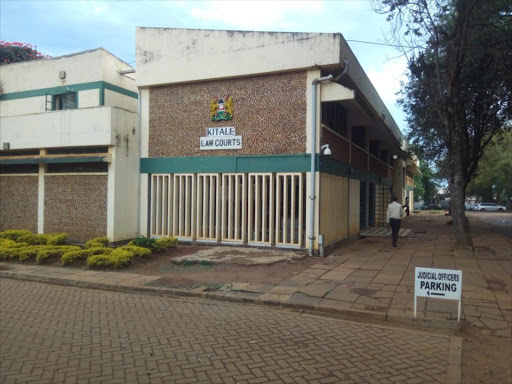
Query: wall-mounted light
395	157
62	75
324	149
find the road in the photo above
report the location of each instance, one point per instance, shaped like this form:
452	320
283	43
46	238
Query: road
499	222
57	334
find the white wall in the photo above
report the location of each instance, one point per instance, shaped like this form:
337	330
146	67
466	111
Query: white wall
123	177
167	55
22	106
119	100
90	98
73	127
353	207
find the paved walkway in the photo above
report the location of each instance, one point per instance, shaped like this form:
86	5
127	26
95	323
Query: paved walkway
367	278
53	334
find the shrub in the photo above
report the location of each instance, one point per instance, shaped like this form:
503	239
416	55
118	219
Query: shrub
145	242
97	242
7	243
137	251
8	253
13	234
26	253
47	251
164	243
69	257
56	238
117	258
32	239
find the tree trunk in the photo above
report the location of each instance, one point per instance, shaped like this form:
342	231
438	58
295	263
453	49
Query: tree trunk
457	128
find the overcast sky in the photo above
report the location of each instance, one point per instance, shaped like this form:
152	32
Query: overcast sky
63	27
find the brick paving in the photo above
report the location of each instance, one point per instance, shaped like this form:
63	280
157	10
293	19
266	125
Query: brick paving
56	334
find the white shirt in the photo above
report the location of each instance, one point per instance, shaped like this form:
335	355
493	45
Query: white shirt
394	211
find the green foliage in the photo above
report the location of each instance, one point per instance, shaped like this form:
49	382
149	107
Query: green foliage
69	257
45	252
164	243
137	251
13	234
425	185
145	242
494	174
117	258
30	238
97	242
16	52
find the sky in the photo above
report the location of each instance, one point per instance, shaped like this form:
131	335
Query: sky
64	27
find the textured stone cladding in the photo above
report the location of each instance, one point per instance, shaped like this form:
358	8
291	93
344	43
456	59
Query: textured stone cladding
269	114
18	202
77	205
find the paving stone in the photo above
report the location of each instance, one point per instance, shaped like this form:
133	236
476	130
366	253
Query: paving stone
304	300
494	324
335	275
316	289
283	290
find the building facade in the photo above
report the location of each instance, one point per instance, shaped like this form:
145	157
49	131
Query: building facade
69	147
235	132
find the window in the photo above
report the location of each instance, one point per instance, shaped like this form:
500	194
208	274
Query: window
7	169
64	101
77	167
18	152
335	117
375	148
384	155
358	136
76	150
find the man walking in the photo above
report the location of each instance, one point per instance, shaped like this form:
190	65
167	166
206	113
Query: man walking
393	217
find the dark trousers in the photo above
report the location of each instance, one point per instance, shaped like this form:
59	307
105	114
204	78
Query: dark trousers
395	228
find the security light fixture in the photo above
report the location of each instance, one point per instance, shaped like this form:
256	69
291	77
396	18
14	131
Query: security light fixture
325	150
62	75
395	157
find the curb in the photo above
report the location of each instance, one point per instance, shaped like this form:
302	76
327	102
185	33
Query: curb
339	313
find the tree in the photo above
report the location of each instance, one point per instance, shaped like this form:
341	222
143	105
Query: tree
425	184
458	94
493	179
16	52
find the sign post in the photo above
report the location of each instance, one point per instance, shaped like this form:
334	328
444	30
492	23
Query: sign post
438	283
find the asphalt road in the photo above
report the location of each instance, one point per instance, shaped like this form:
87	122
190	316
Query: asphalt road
57	334
499	222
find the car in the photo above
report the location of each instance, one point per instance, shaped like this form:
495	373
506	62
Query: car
482	207
417	207
470	207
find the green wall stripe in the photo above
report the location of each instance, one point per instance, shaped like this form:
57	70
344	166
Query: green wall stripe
91	159
67	88
226	164
247	164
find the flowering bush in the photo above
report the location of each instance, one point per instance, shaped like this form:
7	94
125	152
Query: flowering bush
16	52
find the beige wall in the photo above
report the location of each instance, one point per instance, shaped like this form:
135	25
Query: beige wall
269	114
77	205
354	203
18	202
333	207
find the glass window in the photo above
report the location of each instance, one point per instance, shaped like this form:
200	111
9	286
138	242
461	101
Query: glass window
65	101
18	168
77	167
335	117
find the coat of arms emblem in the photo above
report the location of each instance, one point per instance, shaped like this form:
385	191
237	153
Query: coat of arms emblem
221	109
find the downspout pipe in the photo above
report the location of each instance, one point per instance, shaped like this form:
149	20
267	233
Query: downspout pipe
312	196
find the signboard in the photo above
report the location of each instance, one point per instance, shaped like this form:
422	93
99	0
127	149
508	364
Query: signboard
437	283
220	138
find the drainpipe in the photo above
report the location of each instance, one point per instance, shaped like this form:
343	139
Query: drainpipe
139	145
312	197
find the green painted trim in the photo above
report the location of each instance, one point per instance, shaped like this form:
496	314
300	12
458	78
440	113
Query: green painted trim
227	164
249	164
122	91
21	161
68	88
102	95
91	159
408	188
334	167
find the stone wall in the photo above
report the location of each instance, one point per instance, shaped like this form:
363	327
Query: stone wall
269	114
77	205
18	202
